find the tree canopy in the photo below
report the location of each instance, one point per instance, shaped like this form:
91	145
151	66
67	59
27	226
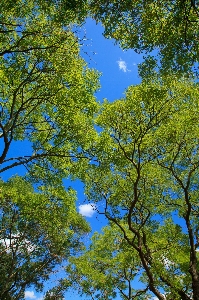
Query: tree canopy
145	173
137	156
38	231
47	91
108	268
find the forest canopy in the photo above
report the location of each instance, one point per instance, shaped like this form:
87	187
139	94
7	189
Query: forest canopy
137	156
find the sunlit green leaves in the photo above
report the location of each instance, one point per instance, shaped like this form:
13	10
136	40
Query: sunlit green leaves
47	94
47	102
143	175
38	231
108	268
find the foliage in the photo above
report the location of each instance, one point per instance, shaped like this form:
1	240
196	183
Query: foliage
63	12
142	166
144	171
110	267
46	89
170	27
47	102
38	231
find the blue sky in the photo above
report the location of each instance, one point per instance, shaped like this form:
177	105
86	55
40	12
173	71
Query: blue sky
119	70
118	67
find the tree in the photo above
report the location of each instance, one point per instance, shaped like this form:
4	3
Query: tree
170	27
63	12
143	170
108	268
38	231
47	90
47	101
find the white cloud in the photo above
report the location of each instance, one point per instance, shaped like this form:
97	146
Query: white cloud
122	65
87	210
30	295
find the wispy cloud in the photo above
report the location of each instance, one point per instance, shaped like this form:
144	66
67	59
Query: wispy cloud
87	210
122	65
